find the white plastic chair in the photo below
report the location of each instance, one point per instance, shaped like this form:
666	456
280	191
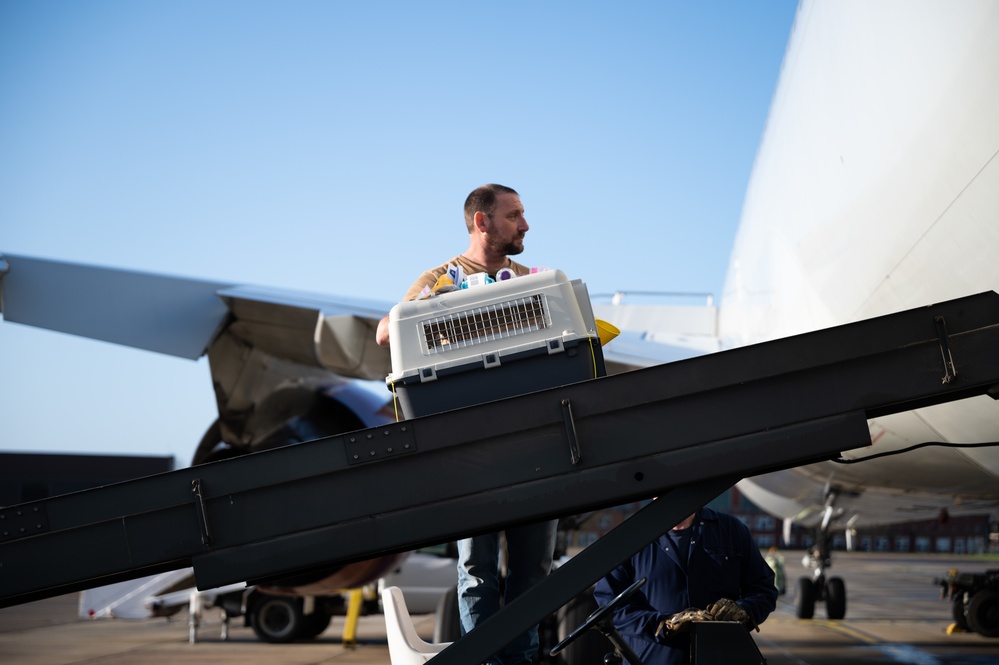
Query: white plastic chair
405	646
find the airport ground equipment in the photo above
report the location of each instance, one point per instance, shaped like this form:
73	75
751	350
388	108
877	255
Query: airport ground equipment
974	598
683	431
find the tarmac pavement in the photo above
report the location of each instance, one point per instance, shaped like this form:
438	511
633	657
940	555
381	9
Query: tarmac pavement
894	616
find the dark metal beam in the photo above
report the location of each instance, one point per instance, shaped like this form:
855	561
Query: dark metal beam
387	489
580	572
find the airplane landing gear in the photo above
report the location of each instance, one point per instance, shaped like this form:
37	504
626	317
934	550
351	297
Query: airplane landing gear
832	591
835	597
804	599
810	590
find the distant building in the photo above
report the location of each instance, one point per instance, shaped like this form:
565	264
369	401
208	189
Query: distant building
765	528
966	534
955	535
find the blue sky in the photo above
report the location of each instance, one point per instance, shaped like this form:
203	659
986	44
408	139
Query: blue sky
329	146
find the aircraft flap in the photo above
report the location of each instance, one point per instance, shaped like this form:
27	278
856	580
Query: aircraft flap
346	345
335	334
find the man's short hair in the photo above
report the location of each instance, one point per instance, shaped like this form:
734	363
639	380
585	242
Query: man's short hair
483	199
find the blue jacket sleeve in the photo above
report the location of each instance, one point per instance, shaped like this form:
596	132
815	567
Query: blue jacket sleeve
637	619
758	592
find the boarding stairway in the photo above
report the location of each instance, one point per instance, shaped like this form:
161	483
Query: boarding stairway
684	432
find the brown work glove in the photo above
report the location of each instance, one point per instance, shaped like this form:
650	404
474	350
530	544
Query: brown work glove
680	622
724	609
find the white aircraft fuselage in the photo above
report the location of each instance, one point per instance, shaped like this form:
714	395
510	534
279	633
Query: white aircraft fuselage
876	190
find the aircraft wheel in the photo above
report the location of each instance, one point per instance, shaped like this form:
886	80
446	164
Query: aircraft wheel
959	609
804	600
835	598
447	621
277	619
589	648
983	613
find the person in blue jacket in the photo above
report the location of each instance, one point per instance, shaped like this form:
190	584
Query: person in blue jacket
706	568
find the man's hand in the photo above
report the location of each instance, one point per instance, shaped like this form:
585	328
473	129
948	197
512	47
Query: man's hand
728	610
382	331
680	622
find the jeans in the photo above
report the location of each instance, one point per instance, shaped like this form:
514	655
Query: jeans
529	560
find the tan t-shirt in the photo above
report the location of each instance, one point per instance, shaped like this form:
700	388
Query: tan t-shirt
429	278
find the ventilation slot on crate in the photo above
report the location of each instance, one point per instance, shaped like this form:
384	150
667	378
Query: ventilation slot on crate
485	324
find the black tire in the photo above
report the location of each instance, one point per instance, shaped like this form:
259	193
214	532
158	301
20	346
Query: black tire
447	621
277	619
959	609
983	613
212	448
804	601
835	598
589	648
314	624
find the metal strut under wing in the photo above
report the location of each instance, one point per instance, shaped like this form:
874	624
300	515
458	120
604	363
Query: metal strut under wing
689	428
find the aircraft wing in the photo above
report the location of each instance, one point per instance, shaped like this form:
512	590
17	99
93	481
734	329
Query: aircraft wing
652	334
183	317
